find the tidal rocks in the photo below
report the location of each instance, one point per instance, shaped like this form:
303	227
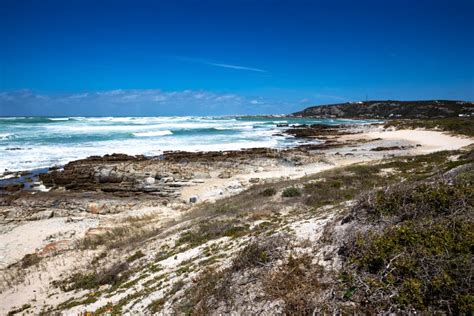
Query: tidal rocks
254	180
226	174
121	174
12	187
318	130
388	148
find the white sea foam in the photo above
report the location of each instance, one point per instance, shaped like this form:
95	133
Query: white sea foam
74	138
59	118
151	134
5	136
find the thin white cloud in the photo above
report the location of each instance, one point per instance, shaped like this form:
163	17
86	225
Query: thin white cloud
236	67
222	65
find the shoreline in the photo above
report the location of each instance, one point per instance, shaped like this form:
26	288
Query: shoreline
60	219
149	136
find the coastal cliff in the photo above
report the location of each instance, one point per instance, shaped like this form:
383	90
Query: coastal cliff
391	109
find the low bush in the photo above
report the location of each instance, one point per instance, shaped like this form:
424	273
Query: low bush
119	237
210	287
291	192
212	230
404	202
135	256
29	260
418	254
259	253
297	282
19	310
268	192
112	276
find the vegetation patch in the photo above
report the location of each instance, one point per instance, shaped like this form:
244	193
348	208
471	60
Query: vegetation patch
212	229
458	125
420	255
259	253
113	276
137	255
420	200
268	192
29	260
119	237
211	287
291	192
214	286
19	310
297	282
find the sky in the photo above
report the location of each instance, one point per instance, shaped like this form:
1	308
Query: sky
229	57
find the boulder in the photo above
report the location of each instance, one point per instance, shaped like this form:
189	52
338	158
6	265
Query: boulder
225	174
150	180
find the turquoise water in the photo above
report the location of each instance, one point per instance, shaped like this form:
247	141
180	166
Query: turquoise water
37	142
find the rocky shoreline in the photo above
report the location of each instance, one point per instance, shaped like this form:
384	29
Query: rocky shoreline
113	183
125	175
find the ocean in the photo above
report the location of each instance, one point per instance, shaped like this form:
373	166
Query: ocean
28	143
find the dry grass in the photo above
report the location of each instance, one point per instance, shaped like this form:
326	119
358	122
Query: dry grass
298	283
122	237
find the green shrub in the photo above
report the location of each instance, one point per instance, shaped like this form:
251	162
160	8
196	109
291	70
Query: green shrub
212	230
260	252
418	256
417	200
268	192
29	260
291	192
135	256
19	310
112	276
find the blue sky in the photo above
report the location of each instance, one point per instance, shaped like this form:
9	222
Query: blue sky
229	57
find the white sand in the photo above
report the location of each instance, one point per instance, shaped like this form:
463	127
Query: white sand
429	140
29	237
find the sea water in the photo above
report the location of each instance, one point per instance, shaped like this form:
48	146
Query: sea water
28	143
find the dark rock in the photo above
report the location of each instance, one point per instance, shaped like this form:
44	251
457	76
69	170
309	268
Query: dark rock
387	148
13	187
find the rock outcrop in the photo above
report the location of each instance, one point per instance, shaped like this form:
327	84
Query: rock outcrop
391	109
